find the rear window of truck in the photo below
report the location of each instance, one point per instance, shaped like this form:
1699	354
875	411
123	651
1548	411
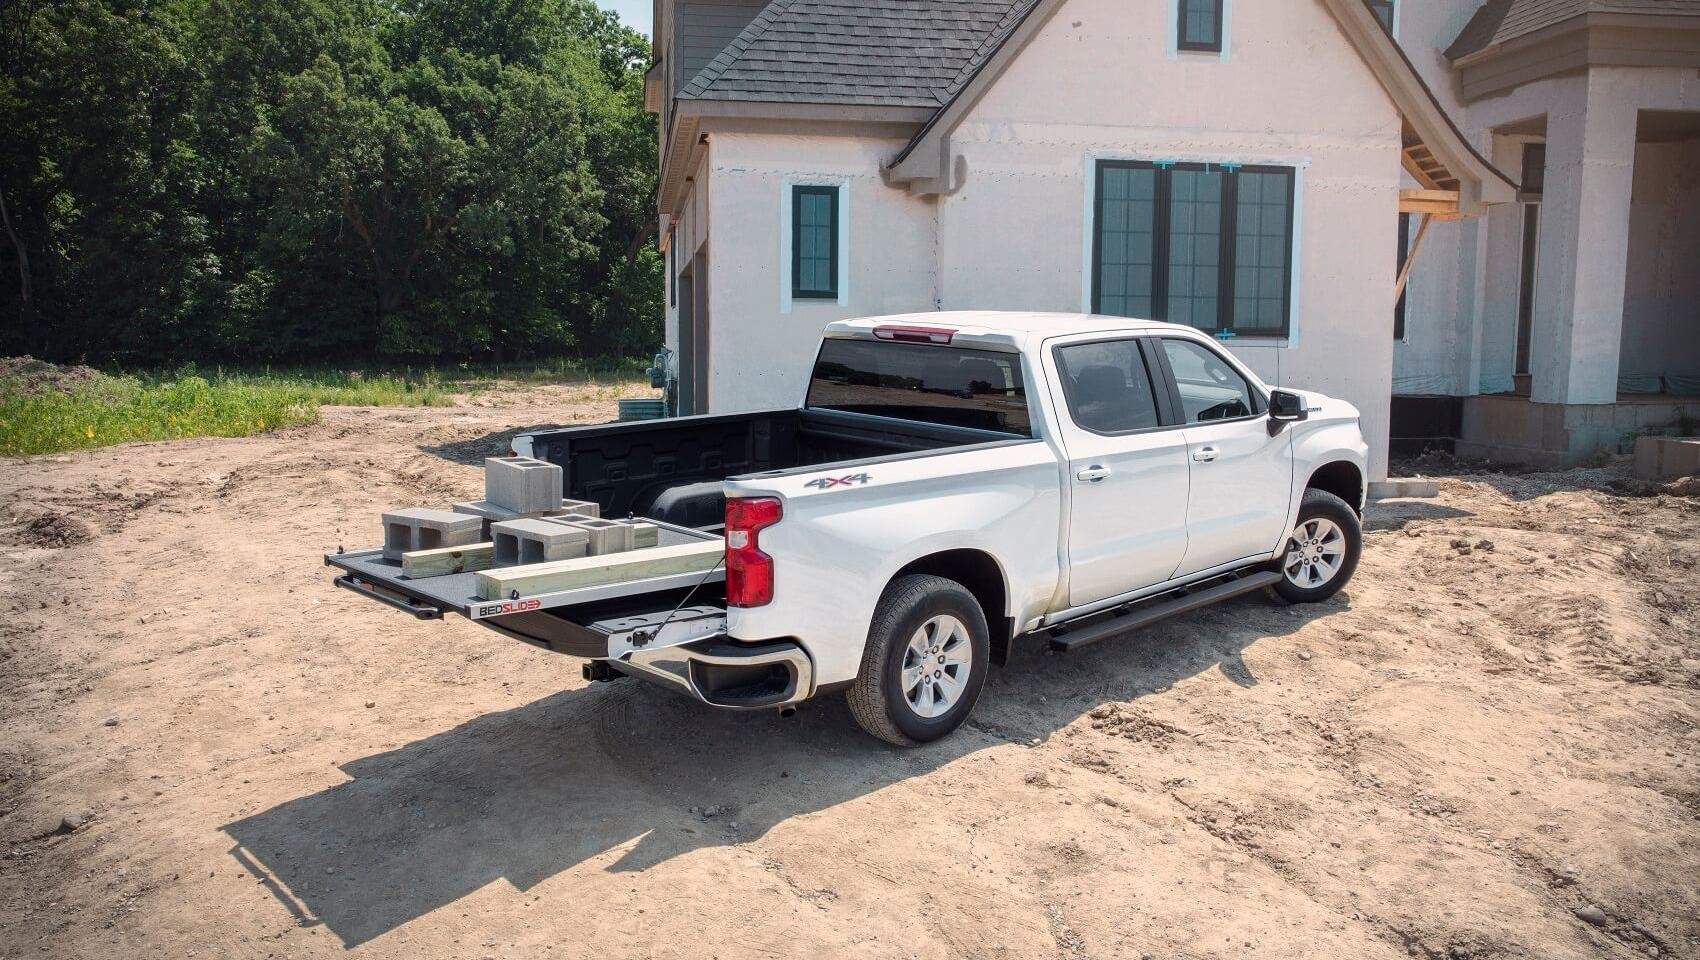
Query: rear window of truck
954	386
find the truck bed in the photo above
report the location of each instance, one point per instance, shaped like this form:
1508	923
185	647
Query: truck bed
671	469
668	472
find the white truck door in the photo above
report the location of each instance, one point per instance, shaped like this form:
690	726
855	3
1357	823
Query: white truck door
1126	466
1242	478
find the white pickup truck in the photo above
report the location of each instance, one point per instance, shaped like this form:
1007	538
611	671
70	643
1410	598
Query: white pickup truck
952	484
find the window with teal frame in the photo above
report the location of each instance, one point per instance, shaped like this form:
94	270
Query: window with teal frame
1209	245
814	243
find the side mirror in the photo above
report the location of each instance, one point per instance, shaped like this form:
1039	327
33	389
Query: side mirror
1285	408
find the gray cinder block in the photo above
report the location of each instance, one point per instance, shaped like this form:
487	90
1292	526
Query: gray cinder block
421	528
522	484
643	534
527	541
606	536
494	513
571	518
1661	458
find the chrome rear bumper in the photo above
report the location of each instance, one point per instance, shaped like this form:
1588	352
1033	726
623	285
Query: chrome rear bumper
721	673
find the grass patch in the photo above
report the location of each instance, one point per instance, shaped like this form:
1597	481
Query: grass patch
107	410
48	409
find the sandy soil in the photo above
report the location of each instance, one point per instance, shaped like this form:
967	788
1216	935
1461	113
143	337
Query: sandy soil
1488	747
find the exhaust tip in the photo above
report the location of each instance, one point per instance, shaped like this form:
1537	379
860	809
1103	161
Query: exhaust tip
787	711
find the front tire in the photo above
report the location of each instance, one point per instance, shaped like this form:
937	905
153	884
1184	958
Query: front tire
925	662
1322	549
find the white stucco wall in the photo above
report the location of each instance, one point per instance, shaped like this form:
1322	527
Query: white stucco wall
689	233
1099	82
1661	312
763	342
1441	349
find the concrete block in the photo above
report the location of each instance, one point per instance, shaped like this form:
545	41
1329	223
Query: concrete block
606	536
1403	488
1646	458
495	513
571	519
1661	458
643	534
522	484
486	509
527	541
421	528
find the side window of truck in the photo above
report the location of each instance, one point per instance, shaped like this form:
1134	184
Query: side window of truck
1108	388
1210	388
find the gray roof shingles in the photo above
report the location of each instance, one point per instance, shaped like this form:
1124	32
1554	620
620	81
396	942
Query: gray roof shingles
1500	21
909	53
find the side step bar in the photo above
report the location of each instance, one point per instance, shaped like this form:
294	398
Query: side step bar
1155	610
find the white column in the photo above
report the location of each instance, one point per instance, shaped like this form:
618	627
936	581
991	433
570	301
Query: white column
1584	247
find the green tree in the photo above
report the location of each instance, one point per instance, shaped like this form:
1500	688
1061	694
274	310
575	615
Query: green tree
291	179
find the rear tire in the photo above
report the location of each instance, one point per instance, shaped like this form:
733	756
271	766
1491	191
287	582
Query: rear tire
925	661
1322	549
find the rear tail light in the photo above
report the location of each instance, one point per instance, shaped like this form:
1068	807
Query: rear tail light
749	572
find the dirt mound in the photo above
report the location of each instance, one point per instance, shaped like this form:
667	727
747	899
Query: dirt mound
1631	487
29	376
53	530
1123	721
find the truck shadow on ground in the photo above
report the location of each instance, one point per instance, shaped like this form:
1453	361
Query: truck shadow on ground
625	776
1395	514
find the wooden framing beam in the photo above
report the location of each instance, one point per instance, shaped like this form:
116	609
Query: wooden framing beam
504	583
438	563
1411	258
1442	203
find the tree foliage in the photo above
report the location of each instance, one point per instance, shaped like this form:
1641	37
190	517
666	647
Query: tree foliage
289	180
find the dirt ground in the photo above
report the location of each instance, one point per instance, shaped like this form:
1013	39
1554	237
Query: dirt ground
1489	746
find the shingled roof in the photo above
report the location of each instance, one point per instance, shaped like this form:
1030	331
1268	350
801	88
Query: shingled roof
1501	21
906	53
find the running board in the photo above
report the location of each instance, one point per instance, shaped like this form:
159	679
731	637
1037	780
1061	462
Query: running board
1144	616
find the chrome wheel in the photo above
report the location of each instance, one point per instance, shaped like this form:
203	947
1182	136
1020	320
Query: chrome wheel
936	665
1315	552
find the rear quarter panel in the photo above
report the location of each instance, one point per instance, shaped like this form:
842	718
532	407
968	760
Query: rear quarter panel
839	545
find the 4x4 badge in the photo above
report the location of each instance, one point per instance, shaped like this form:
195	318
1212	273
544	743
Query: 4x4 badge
827	483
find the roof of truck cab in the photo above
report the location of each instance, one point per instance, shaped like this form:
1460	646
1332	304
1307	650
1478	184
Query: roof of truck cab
1015	327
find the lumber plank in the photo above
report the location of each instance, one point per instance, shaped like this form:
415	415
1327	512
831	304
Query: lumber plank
1440	196
1411	257
595	571
437	563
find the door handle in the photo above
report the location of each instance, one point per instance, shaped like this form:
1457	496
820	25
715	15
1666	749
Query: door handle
1204	454
1093	474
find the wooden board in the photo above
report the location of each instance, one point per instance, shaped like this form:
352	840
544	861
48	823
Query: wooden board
437	563
596	571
